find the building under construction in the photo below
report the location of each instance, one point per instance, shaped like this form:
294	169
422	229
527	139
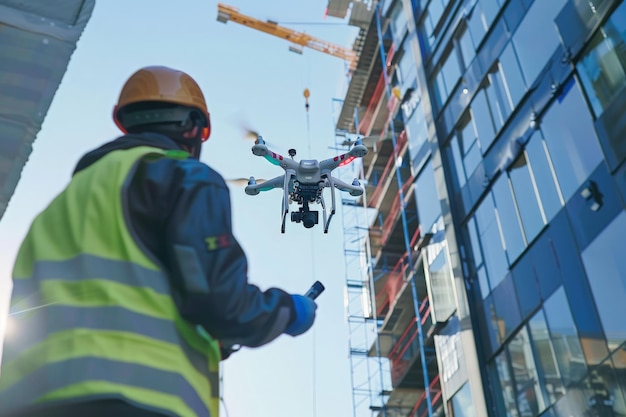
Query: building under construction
484	266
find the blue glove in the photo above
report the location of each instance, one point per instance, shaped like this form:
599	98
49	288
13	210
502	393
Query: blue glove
304	309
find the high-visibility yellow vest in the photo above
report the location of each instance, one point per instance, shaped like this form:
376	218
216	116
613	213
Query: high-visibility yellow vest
93	315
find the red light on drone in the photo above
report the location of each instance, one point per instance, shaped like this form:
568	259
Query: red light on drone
347	161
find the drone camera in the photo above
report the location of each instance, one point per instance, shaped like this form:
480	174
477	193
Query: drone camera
307	217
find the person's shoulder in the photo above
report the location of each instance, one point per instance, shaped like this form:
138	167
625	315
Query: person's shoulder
198	171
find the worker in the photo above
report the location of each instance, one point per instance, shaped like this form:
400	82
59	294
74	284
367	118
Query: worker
129	288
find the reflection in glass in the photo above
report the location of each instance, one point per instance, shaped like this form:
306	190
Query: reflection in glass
525	191
491	242
529	398
470	146
448	75
603	393
498	96
507	308
509	220
571	139
567	348
537	38
483	120
506	384
440	282
603	66
466	46
605	264
544	176
428	206
462	404
619	367
512	74
453	148
546	356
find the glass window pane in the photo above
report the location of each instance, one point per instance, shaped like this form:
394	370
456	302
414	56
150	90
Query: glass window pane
428	31
526	197
451	72
458	162
571	139
491	241
428	207
462	404
605	264
544	176
529	398
498	97
407	67
619	364
477	25
398	21
416	130
435	8
526	286
466	46
509	220
482	116
604	394
569	353
536	38
507	384
507	309
546	356
512	74
603	66
471	147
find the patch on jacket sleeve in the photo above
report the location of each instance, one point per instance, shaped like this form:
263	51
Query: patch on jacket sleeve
217	242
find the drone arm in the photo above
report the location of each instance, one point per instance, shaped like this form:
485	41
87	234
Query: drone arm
261	149
354	190
254	189
357	151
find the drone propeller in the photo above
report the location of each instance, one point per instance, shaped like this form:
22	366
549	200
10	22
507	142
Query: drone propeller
368	141
242	182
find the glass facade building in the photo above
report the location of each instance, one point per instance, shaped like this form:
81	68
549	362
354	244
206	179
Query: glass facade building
498	247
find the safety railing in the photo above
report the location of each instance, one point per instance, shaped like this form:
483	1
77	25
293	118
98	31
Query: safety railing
378	191
421	408
394	211
367	121
387	295
407	347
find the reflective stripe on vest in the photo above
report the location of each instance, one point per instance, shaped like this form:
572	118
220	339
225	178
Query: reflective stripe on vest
95	314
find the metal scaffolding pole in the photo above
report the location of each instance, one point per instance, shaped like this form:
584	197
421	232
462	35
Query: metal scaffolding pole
406	233
368	373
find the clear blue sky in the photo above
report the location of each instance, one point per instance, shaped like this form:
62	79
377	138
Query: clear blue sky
249	78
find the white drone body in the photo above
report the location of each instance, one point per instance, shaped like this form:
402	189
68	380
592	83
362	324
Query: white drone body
303	182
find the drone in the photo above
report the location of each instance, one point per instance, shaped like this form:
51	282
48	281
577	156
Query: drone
304	182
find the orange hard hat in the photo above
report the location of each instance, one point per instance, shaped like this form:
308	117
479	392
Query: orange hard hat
166	85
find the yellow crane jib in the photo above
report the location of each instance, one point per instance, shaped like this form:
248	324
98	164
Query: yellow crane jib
227	13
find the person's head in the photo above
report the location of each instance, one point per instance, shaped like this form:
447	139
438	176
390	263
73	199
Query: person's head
166	101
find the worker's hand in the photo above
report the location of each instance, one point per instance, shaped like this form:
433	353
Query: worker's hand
304	310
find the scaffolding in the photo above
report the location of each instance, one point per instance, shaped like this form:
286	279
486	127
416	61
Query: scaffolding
374	284
370	375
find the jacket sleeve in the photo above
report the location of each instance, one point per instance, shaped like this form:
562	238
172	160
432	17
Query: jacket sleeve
181	210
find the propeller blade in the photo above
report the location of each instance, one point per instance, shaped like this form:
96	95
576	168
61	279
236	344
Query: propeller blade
242	182
368	141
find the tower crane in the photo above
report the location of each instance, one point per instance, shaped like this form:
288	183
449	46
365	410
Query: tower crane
226	13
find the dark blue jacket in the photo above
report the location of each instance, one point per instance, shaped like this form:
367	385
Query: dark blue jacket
185	202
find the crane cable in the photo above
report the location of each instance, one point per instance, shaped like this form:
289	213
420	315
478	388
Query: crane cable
306	93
